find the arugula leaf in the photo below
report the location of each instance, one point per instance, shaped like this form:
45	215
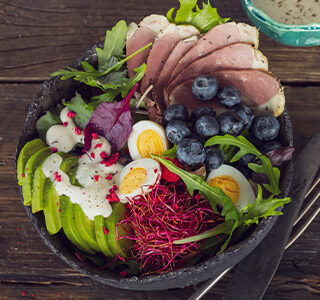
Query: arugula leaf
49	119
82	110
114	43
214	195
203	18
172	152
262	208
245	147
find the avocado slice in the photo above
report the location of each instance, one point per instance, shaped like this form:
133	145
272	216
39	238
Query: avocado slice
34	162
102	237
51	207
85	226
39	180
69	228
122	245
26	152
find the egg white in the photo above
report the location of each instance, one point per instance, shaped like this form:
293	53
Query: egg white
153	171
247	195
139	128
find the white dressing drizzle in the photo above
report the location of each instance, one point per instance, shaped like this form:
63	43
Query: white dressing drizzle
96	178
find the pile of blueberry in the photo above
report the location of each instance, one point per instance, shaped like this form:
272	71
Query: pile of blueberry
191	133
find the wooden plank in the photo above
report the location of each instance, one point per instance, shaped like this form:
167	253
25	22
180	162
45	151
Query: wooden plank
28	266
38	37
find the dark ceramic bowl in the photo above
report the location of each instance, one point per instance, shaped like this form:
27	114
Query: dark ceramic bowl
51	93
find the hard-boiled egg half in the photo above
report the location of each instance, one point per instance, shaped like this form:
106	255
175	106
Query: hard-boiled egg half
147	138
234	185
138	178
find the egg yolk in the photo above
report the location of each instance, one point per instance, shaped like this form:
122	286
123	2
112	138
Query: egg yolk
133	180
228	185
150	142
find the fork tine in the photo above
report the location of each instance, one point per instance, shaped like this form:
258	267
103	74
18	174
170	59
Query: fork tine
310	203
300	229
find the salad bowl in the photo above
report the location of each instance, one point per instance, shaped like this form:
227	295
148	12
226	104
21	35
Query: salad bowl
51	93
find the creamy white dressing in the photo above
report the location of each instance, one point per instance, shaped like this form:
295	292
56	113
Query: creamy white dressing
91	174
291	11
64	138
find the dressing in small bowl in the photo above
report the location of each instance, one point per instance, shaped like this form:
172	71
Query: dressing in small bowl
290	22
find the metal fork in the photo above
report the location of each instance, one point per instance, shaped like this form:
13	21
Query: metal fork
300	226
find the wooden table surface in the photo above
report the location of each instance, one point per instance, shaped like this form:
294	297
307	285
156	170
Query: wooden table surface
38	37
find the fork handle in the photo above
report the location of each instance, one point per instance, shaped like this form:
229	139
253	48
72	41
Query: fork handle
253	275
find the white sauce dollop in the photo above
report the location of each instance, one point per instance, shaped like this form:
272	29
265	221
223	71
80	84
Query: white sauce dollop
91	174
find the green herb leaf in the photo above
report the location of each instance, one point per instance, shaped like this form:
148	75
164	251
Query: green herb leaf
82	110
114	43
49	119
203	18
262	208
172	152
214	195
245	147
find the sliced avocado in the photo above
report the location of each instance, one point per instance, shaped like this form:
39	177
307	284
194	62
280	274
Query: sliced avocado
34	162
26	152
102	237
69	227
122	245
85	226
51	207
39	180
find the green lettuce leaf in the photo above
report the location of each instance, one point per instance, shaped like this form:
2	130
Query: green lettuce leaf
114	43
214	195
245	147
203	18
82	110
262	208
49	119
172	152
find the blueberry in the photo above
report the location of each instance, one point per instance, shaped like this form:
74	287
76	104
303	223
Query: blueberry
175	112
266	128
230	123
214	158
246	113
197	137
205	87
176	130
229	96
246	159
206	126
190	152
201	111
269	146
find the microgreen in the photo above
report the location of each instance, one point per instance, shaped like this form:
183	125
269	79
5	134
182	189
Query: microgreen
203	18
214	195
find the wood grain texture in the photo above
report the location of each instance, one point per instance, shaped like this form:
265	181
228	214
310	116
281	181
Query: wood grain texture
38	37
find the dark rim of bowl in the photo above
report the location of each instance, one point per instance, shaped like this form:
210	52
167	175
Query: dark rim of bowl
175	279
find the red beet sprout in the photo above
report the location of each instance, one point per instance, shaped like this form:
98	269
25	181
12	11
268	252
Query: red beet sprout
167	214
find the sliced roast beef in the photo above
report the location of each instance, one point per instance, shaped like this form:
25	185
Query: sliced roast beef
137	37
177	53
235	56
216	38
163	45
259	89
